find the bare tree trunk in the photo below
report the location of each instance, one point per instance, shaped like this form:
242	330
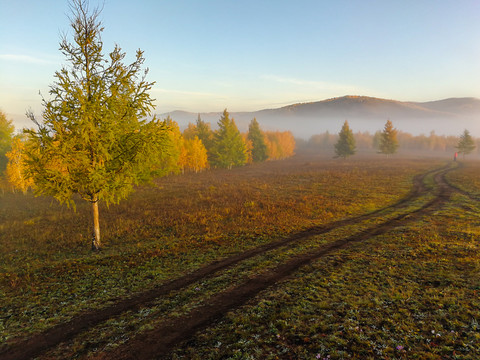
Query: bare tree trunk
96	227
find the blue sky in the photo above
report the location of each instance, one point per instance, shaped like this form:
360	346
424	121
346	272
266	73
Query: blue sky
247	55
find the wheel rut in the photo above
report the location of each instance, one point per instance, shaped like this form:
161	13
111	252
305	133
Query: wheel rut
161	340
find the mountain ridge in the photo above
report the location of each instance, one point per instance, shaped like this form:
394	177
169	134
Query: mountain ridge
446	116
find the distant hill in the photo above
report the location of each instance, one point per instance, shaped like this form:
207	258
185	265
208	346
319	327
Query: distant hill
449	116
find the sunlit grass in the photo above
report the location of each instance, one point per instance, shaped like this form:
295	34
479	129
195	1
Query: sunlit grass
182	222
410	293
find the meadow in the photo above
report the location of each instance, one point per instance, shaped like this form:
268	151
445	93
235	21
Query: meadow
402	291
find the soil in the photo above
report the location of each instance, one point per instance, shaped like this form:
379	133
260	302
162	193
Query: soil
159	342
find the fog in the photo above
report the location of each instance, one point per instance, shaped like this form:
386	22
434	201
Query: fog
444	117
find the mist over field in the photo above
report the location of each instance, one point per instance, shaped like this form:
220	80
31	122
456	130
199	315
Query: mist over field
444	117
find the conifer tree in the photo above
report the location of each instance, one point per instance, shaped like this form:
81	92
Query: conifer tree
388	141
228	148
345	145
95	140
205	134
466	144
6	138
259	147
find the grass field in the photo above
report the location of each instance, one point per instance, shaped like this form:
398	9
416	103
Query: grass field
403	291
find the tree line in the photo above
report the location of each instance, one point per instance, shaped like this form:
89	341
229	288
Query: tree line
195	149
48	161
389	141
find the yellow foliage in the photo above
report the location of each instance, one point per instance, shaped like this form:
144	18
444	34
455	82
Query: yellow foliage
280	144
195	155
190	132
16	169
249	147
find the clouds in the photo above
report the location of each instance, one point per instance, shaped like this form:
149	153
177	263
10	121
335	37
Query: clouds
26	59
314	85
186	93
250	93
195	101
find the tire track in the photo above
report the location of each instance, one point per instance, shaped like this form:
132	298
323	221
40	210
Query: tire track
50	338
461	191
159	342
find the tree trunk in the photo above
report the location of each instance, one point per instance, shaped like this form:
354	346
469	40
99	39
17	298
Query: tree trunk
96	227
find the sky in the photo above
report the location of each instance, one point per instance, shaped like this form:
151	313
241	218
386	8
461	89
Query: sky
208	55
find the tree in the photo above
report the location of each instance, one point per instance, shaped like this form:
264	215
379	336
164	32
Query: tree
257	137
173	160
248	148
16	166
377	139
95	140
196	155
190	132
280	144
466	144
388	141
228	148
205	134
345	145
287	144
6	138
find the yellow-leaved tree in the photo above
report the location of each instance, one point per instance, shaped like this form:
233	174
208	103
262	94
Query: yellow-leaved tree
16	166
196	158
280	144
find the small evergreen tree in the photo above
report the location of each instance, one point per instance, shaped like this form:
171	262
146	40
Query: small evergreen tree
95	140
205	134
345	145
376	140
388	141
466	144
259	147
228	148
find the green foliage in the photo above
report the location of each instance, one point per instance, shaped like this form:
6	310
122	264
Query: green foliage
466	144
377	139
95	140
6	138
345	145
388	142
206	135
229	149
259	147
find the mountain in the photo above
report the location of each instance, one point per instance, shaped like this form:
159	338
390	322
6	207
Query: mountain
448	116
